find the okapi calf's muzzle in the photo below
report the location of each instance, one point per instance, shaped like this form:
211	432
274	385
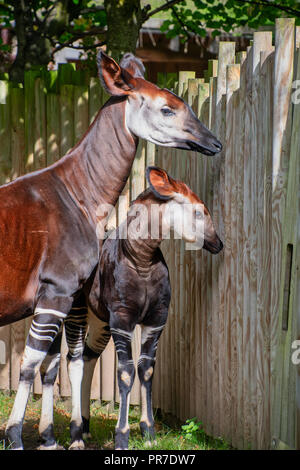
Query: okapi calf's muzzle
132	286
214	246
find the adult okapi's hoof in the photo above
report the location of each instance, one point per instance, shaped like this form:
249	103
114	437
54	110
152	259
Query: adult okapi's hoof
150	444
77	445
54	446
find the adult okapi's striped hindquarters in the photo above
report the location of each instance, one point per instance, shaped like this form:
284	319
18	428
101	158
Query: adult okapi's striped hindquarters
41	272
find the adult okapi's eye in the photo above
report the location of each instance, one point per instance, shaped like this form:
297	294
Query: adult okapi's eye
167	111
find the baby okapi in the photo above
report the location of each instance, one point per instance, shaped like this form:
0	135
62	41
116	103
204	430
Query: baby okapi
132	287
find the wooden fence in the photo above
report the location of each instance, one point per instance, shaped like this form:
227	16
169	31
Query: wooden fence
225	355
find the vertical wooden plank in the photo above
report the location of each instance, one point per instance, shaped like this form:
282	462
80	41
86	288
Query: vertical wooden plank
239	163
232	84
40	133
81	111
264	151
17	132
226	57
53	128
283	77
95	98
5	358
66	118
262	40
246	251
29	90
108	373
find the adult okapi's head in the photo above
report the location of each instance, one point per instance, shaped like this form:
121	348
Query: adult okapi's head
180	210
152	113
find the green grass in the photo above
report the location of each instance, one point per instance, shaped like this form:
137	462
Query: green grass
103	421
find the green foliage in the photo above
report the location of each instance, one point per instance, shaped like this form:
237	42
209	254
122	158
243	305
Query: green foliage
226	16
55	25
192	429
194	434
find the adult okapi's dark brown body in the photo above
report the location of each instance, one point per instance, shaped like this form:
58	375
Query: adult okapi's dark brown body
48	219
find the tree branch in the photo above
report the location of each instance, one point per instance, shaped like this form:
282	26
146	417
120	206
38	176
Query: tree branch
180	21
165	6
85	11
286	9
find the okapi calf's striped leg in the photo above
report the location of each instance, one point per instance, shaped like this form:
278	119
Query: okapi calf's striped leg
44	328
49	370
96	341
146	363
75	327
126	374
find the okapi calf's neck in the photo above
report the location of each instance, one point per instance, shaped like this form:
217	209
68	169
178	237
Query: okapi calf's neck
49	247
132	287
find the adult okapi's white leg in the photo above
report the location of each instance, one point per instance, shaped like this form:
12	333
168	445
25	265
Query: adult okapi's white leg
146	363
44	328
97	339
75	327
126	374
49	370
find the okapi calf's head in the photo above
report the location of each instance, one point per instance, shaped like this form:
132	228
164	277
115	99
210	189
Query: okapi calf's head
152	113
178	210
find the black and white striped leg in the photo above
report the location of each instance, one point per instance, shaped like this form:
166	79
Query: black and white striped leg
126	374
44	328
49	370
96	341
146	363
75	328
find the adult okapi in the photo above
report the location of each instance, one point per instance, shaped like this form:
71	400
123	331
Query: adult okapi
49	247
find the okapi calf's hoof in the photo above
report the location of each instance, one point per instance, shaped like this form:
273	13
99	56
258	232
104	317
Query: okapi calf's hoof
121	439
148	434
76	437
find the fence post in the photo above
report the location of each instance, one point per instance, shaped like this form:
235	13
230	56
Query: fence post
283	77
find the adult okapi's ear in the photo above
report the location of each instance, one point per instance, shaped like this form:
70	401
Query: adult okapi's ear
161	184
133	65
115	80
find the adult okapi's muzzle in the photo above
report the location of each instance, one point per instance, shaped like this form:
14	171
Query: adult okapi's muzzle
213	246
202	140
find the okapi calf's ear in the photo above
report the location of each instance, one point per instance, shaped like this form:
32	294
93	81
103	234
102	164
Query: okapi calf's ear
161	184
116	80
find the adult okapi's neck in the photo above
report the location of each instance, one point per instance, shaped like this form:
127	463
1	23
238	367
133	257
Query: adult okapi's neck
95	171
